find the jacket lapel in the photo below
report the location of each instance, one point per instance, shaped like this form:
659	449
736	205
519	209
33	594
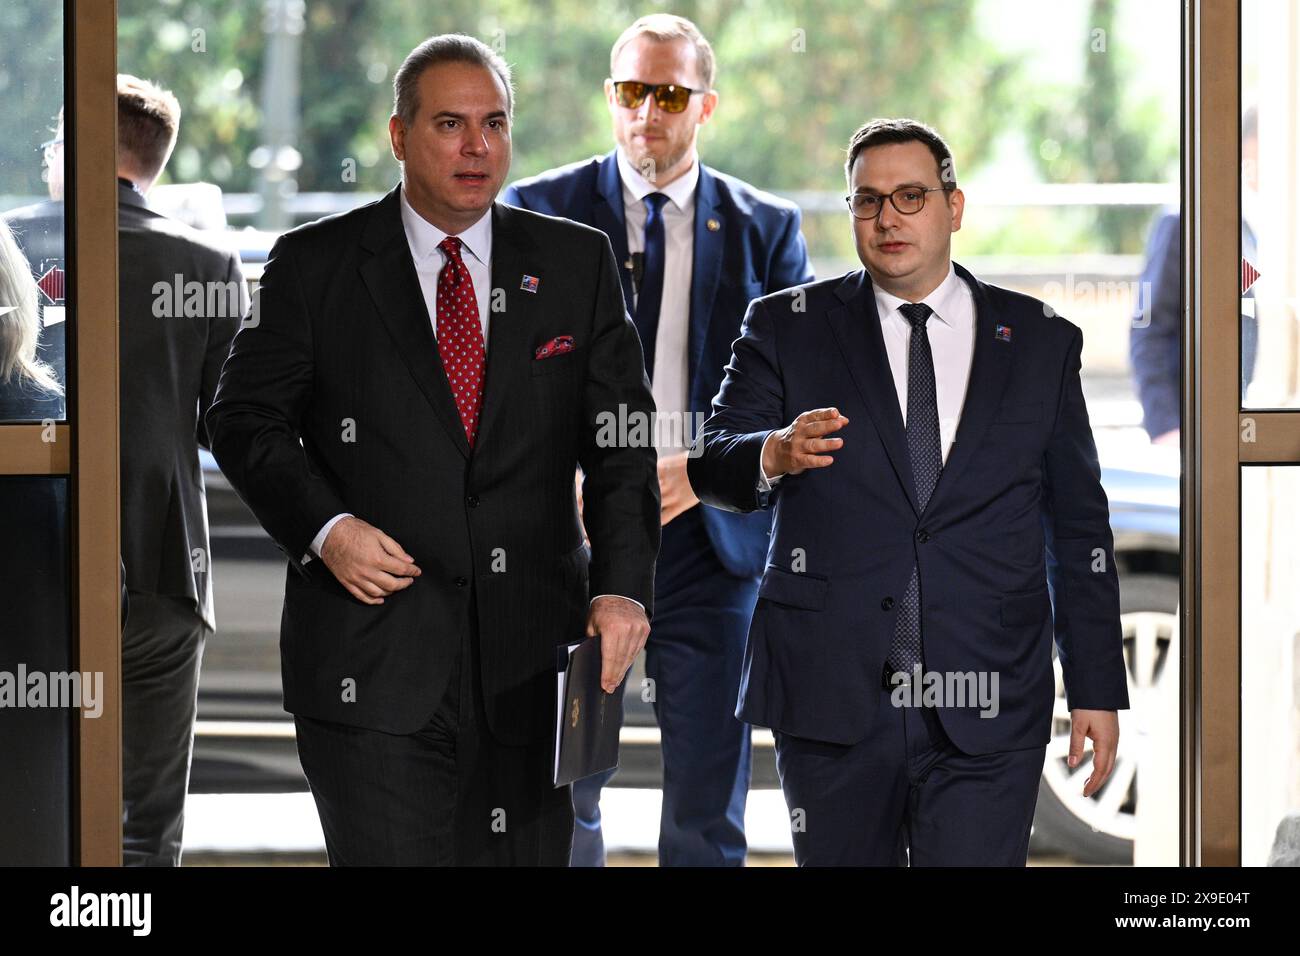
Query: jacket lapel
856	326
705	270
511	321
389	277
607	214
990	370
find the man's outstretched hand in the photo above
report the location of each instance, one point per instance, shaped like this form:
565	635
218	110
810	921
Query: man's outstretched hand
367	562
803	444
622	628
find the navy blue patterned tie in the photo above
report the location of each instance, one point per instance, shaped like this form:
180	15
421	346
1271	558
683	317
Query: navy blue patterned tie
650	294
926	455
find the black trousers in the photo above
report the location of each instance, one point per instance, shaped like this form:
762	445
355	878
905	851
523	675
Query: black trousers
906	794
162	646
447	795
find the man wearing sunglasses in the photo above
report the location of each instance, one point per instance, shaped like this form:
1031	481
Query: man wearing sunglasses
695	246
923	441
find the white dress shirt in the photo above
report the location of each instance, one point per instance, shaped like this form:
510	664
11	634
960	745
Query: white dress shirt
475	251
670	382
951	330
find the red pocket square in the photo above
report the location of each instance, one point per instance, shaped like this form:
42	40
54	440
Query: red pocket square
557	346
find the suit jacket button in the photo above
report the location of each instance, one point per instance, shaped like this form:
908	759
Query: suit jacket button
887	604
472	501
923	536
461	582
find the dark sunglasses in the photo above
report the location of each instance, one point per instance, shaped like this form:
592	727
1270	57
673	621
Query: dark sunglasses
668	96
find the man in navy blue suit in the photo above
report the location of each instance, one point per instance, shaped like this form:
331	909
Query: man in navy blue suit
696	246
923	442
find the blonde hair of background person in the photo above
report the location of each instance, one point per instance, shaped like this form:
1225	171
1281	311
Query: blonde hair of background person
20	326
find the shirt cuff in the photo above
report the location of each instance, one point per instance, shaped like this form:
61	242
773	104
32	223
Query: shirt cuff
318	542
765	483
623	596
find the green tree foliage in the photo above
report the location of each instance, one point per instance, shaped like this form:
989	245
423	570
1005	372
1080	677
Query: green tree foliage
31	88
1099	132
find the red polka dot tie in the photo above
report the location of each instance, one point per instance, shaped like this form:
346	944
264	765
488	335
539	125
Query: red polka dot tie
460	336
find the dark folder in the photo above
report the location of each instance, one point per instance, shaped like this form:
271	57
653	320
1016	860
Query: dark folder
587	720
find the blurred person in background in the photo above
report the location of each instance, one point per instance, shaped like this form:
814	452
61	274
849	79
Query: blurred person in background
39	231
1155	337
172	347
29	389
696	245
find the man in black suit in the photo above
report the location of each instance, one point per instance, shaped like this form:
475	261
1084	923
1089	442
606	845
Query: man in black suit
404	412
923	440
172	344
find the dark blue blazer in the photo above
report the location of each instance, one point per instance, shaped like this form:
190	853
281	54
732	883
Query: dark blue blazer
1019	505
1155	335
756	248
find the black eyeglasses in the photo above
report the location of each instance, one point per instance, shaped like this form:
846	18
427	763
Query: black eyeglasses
909	200
669	97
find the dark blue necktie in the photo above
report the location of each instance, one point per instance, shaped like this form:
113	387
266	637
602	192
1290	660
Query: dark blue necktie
927	461
652	279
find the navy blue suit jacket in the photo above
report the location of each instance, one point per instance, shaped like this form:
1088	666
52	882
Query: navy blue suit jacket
1019	505
757	248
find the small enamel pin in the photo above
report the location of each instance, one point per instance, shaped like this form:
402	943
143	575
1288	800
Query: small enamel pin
713	225
530	284
1003	333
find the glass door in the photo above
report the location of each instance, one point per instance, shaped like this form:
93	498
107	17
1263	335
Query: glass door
60	608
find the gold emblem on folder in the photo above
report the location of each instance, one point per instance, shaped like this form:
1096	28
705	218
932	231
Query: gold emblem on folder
573	719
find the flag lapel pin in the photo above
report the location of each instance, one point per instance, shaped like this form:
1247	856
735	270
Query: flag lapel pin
530	283
1003	333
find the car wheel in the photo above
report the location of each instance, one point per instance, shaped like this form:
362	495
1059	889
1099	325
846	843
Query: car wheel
1101	828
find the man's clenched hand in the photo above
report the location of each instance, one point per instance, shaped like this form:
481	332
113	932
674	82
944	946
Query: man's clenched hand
367	562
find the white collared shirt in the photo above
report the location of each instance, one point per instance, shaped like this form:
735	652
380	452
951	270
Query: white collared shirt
670	383
476	252
951	330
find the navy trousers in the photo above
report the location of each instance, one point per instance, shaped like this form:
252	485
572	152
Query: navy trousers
693	657
906	793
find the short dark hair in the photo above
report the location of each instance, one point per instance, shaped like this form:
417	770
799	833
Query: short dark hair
882	132
446	48
148	121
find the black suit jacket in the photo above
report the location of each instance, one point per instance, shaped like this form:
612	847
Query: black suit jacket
340	354
1019	508
170	361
